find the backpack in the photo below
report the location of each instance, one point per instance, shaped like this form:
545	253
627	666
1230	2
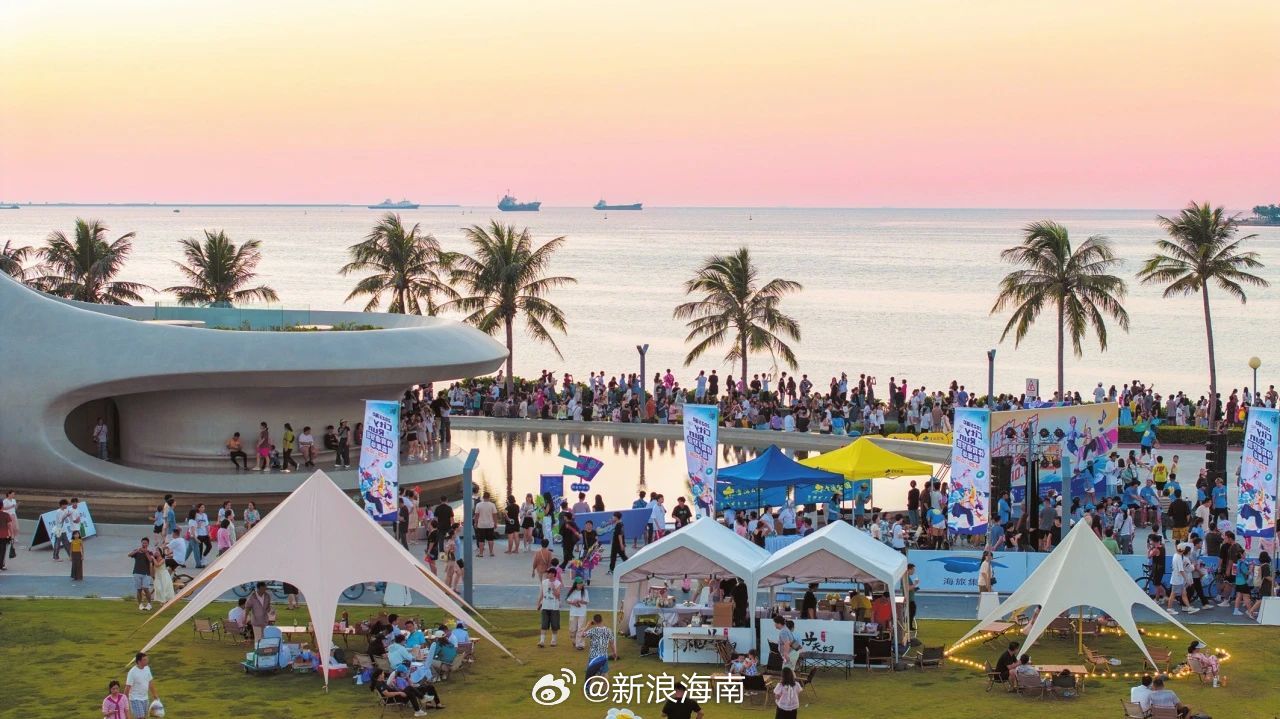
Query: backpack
1255	576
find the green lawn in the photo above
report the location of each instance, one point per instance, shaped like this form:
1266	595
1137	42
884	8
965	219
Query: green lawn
58	656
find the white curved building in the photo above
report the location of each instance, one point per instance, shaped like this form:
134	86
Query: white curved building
173	394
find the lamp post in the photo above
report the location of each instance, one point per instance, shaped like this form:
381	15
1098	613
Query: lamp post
468	517
991	379
642	349
1254	364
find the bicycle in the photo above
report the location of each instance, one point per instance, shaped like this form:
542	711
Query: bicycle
350	594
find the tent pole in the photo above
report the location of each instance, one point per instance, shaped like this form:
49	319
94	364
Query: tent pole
893	604
1080	630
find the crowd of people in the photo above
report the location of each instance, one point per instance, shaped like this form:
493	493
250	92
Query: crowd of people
786	403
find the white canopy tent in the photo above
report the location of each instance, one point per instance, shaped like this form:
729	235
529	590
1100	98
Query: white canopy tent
839	552
704	548
1079	572
320	541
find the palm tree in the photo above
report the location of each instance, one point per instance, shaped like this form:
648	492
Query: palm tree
218	272
408	265
735	308
1202	249
13	260
84	267
1076	282
507	276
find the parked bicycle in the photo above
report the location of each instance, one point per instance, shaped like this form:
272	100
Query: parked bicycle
351	593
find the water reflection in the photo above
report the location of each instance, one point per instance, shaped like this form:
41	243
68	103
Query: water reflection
511	462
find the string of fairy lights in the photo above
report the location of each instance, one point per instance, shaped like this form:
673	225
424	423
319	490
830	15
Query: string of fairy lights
1179	672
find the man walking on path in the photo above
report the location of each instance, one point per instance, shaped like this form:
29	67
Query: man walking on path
486	521
444	523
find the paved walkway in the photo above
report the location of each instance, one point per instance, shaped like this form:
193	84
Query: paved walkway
502	582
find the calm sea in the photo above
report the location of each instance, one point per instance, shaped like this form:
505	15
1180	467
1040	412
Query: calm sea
890	292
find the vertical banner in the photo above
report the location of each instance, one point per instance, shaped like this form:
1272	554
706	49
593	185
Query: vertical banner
380	459
701	422
1257	516
553	485
970	499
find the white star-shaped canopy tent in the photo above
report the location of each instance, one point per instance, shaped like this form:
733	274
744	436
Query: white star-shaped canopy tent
320	541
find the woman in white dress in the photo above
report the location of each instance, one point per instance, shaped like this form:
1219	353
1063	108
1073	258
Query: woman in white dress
163	583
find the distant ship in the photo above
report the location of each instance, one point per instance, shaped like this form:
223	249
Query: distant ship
13	206
387	204
511	204
602	205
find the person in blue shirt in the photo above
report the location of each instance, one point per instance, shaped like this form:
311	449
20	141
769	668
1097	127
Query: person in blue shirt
398	654
861	494
414	637
1148	439
1219	499
833	508
1172	486
1131	496
1150	504
1002	509
937	526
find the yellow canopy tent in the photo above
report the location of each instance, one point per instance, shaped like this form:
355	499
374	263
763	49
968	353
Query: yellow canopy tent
864	459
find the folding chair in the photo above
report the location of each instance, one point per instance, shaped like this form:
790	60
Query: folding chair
993	677
265	658
930	657
1027	686
207	629
1132	710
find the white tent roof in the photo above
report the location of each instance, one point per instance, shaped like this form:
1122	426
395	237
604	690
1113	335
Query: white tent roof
1079	572
837	552
702	548
320	541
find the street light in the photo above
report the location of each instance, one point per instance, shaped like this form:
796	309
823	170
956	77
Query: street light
642	349
1254	364
991	379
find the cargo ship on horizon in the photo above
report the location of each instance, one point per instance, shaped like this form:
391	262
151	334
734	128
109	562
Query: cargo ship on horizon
511	204
602	205
387	204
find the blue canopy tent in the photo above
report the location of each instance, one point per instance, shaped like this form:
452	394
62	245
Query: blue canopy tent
765	479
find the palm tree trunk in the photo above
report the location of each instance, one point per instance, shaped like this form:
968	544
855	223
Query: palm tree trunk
1062	397
1213	365
743	378
510	359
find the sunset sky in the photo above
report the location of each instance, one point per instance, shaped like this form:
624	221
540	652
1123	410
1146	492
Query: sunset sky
909	103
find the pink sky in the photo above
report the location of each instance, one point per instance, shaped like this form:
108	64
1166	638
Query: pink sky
822	103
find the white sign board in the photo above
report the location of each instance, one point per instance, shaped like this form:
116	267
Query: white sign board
1033	387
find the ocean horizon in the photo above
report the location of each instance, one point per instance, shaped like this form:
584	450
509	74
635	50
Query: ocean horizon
891	292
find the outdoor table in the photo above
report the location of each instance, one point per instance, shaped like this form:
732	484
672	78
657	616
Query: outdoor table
997	630
288	632
670	615
1078	670
701	645
826	660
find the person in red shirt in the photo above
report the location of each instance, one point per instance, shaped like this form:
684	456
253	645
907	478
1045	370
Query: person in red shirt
881	610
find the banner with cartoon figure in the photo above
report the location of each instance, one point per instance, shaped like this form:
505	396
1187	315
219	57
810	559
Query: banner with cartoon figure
970	502
1257	481
1085	434
701	422
380	459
